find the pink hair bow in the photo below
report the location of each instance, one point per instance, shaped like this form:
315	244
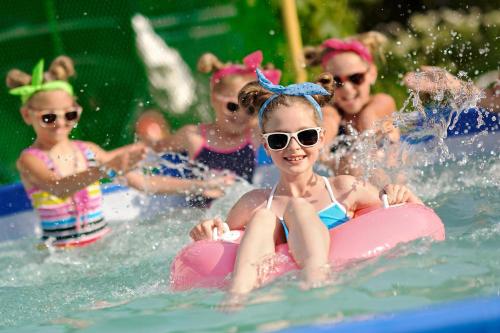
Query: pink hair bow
250	63
336	46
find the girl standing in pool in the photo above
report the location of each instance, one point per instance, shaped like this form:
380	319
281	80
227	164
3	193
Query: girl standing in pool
302	206
60	175
354	109
230	142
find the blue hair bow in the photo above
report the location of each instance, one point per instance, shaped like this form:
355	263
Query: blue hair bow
306	90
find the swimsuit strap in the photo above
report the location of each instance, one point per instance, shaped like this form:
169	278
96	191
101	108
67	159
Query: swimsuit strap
87	153
329	189
83	149
271	196
332	197
203	132
42	156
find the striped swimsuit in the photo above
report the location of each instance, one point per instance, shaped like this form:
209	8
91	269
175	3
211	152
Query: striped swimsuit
73	221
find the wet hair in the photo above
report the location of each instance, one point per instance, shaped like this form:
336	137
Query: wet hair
61	68
252	96
374	41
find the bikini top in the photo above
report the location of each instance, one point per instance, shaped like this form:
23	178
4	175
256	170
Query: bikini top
333	215
240	159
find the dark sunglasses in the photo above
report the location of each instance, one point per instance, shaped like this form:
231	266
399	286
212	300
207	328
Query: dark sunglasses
356	79
234	107
49	118
306	138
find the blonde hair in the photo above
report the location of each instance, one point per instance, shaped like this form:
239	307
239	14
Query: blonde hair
61	68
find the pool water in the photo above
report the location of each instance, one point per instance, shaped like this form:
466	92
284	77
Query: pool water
121	284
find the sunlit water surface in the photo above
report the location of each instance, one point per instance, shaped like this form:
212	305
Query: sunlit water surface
121	284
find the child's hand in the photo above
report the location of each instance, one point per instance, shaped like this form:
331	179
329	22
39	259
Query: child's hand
205	228
128	158
397	194
431	79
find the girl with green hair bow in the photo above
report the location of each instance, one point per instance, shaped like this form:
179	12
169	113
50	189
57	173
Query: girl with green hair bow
60	175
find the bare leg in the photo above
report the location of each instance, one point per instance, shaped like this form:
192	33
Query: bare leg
258	242
309	241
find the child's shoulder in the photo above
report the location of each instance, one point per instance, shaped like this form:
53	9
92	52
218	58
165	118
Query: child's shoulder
188	131
342	182
254	198
30	158
384	103
89	147
190	128
257	194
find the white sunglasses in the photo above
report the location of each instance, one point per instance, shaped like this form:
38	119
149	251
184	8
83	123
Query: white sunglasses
307	137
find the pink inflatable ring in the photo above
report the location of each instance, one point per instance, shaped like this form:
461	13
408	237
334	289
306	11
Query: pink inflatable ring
207	264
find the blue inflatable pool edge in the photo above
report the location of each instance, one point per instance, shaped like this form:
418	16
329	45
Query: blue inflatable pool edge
470	315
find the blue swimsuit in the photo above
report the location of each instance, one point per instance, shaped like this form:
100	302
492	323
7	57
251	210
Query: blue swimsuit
333	215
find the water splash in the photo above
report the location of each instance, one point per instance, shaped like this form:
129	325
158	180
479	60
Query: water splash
426	121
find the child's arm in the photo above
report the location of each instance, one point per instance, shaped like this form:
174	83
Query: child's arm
212	188
238	217
356	193
361	194
178	142
39	175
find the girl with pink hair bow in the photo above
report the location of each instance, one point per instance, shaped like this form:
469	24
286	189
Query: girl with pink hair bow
230	141
354	109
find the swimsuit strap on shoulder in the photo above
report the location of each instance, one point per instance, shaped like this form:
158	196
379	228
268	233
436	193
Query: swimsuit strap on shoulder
329	189
203	132
271	196
87	152
41	155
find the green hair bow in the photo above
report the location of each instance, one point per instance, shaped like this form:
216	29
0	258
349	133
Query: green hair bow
37	85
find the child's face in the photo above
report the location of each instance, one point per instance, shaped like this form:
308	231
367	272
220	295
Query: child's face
225	103
353	77
52	114
295	159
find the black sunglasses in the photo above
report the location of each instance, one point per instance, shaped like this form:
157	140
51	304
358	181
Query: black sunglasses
50	118
356	79
70	115
234	107
306	138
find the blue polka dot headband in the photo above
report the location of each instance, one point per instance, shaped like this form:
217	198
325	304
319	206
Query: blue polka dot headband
306	90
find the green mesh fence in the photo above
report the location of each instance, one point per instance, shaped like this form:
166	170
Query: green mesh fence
111	82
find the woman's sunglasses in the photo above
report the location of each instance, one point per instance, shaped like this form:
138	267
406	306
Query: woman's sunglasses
279	140
49	117
356	79
231	105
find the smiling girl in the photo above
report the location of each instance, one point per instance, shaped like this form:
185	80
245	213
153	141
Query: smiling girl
354	109
60	175
302	206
